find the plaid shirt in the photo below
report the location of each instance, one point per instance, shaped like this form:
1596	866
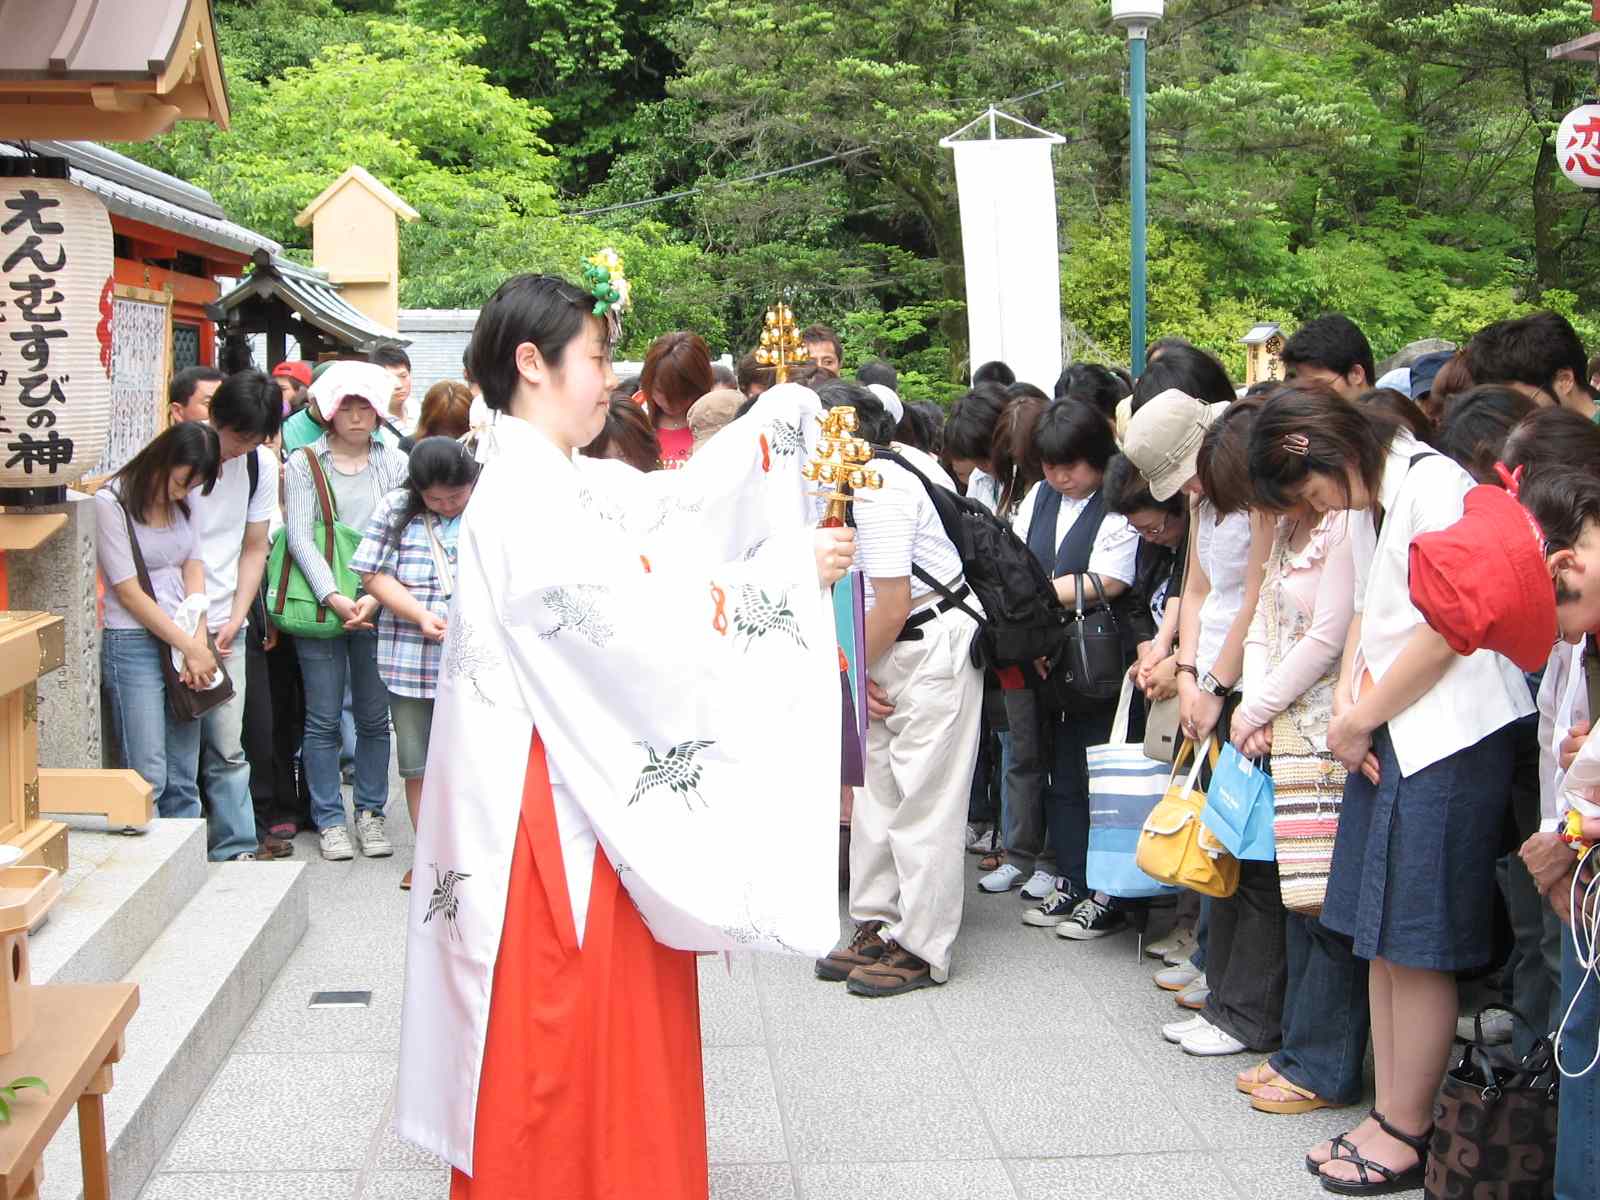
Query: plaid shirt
407	661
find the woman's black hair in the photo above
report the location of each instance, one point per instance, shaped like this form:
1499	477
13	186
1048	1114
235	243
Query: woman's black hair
542	309
1189	369
248	403
1128	492
916	429
969	429
1309	429
1097	386
872	420
1476	425
435	462
142	484
1405	410
994	372
1071	431
1553	439
1024	390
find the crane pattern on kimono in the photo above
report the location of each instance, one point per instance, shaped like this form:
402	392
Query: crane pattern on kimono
466	656
758	615
679	771
669	507
443	902
605	510
759	929
786	439
577	607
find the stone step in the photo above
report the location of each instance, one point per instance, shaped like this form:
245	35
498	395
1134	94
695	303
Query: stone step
118	895
199	983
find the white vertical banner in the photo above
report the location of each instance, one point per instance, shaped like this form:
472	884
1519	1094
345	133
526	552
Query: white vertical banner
1007	193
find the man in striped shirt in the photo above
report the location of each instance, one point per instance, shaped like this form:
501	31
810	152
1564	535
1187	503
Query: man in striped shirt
925	699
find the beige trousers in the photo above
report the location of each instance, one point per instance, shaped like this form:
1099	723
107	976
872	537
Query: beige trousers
907	863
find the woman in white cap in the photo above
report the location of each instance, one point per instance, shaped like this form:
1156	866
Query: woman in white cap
358	471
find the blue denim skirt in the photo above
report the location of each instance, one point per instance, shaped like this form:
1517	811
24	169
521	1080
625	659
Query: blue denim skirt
1412	879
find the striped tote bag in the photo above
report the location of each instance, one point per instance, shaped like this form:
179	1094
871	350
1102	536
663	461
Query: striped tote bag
1308	790
1124	785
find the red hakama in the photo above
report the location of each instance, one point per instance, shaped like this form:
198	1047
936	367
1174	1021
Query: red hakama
592	1086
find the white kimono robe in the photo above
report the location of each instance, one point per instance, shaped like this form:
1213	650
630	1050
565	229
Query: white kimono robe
666	635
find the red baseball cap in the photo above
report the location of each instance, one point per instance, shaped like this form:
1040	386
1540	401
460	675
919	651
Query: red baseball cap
295	369
1482	584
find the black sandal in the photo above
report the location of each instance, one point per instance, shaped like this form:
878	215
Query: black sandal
1341	1142
1389	1181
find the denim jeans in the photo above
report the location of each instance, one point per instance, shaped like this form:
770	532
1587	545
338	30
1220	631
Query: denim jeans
1066	792
1578	1120
164	751
1534	980
230	816
1325	1017
1246	964
1024	828
327	665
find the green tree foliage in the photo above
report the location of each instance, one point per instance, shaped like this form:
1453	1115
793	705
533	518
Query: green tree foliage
1392	159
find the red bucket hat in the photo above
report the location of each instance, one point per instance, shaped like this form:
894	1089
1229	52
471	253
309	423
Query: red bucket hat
1483	583
295	369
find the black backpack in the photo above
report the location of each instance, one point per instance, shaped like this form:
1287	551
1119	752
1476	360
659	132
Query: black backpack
1023	620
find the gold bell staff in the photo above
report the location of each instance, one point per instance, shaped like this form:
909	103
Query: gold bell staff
781	347
840	462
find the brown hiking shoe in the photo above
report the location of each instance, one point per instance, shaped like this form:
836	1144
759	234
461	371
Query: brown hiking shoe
865	947
897	970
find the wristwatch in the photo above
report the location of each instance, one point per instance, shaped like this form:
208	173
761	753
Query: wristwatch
1210	683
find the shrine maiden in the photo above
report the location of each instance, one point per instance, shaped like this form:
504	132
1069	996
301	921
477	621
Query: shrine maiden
635	755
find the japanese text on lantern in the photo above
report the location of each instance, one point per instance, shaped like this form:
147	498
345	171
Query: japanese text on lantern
31	239
1581	151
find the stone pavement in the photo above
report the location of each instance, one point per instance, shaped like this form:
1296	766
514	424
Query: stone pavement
1037	1073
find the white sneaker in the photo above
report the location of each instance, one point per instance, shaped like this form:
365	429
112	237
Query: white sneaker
1040	884
1210	1042
1176	1031
1182	950
336	845
1162	946
1002	879
1195	995
1497	1028
1175	979
374	839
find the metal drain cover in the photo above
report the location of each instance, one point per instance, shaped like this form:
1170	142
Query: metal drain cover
340	999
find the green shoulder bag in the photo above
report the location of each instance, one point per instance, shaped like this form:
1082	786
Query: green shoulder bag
290	602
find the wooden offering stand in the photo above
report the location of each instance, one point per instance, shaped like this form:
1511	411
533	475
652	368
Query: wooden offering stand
68	1036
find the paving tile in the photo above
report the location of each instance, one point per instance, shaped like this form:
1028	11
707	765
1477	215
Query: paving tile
730	1008
397	1154
763	1181
407	1185
905	1099
285	1023
274	1112
1078	1097
1128	1177
274	1185
800	1008
743	1124
978	1179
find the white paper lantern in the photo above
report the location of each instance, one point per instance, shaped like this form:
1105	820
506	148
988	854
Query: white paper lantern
1578	145
55	331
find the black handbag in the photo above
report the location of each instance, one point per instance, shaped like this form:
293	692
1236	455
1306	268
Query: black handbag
183	702
1494	1135
1086	671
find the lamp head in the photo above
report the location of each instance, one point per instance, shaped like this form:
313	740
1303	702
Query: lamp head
1136	16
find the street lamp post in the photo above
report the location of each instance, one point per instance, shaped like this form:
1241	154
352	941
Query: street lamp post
1136	17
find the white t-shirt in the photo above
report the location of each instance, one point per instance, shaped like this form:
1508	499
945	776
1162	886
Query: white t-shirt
984	488
896	526
220	519
1116	545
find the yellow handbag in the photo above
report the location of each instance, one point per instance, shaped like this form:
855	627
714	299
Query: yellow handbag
1174	846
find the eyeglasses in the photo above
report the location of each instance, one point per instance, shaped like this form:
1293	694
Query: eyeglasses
1150	534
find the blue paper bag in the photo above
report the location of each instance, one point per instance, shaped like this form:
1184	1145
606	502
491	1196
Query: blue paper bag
1239	808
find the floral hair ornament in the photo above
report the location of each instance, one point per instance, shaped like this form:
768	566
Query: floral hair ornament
1297	444
603	277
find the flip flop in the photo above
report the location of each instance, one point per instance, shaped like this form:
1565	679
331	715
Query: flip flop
1302	1100
1258	1076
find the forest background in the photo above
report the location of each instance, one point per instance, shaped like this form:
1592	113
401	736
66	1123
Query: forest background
1390	159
